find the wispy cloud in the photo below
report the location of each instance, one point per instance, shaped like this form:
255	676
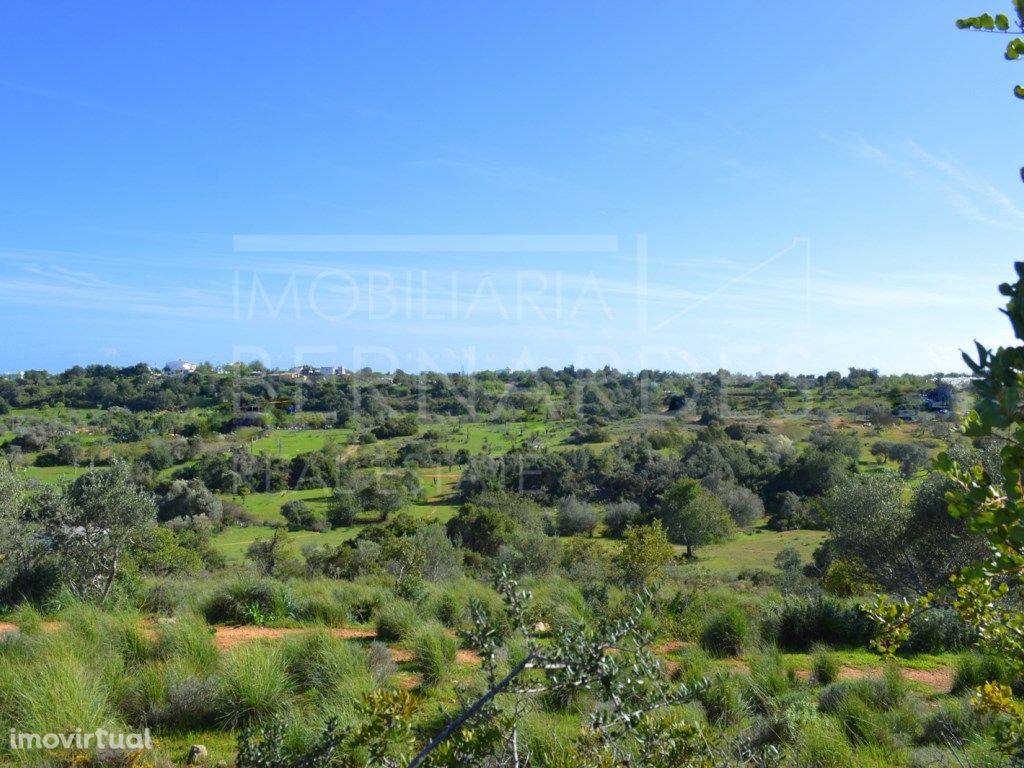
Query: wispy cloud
966	193
51	286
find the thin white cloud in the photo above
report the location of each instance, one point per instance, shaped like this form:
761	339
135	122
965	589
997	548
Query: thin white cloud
969	195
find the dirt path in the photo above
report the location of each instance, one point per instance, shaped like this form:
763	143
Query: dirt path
939	680
230	637
227	638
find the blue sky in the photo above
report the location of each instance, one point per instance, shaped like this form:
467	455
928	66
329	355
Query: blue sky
760	187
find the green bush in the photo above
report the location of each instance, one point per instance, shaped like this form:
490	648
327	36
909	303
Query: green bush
448	608
973	669
824	665
254	686
318	662
363	601
163	599
396	622
301	517
56	686
169	696
320	601
769	681
723	701
725	632
821	743
954	722
883	693
802	622
862	724
434	652
939	630
189	642
258	602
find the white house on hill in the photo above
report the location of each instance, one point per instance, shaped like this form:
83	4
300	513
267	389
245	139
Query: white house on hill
180	367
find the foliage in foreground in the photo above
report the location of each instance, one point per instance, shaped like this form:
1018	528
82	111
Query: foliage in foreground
987	593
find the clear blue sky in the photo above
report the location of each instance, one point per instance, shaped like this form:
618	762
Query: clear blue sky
814	185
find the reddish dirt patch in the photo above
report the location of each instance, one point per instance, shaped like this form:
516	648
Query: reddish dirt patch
400	655
939	680
6	627
469	658
230	637
672	646
346	633
408	681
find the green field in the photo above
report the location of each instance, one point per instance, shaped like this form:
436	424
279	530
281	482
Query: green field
289	443
438	485
51	474
751	551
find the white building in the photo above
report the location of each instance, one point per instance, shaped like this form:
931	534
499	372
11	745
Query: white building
180	367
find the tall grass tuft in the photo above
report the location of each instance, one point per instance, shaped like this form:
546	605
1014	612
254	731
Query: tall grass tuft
253	601
190	642
254	686
824	665
396	622
973	669
434	652
326	665
821	743
54	688
725	633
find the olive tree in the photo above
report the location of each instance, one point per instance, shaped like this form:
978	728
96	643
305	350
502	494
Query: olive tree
693	517
91	526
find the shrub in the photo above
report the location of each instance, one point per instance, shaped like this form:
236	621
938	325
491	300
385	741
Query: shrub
434	652
832	696
938	631
56	689
973	669
769	681
254	686
723	700
190	643
803	622
862	724
953	722
323	610
448	608
162	599
575	517
316	661
824	665
619	515
646	551
822	744
382	663
190	704
442	560
725	632
364	601
882	693
745	507
250	602
301	517
396	622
